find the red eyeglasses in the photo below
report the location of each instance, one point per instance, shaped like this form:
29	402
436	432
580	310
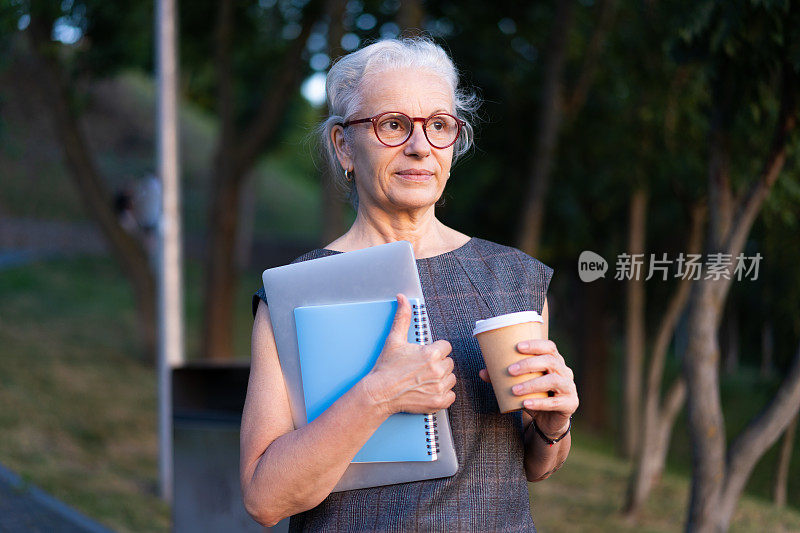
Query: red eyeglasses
394	128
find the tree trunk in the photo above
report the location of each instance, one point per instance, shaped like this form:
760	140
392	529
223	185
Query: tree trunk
333	223
547	129
221	273
217	342
247	218
785	458
659	419
767	349
555	108
236	154
706	423
129	253
634	330
701	364
595	345
759	435
606	12
731	338
652	455
717	484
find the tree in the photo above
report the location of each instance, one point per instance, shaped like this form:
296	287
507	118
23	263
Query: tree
250	67
332	205
754	44
553	108
634	327
55	84
660	413
664	112
240	143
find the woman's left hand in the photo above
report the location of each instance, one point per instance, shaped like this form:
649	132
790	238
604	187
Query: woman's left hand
552	413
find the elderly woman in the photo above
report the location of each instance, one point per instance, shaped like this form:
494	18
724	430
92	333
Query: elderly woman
397	123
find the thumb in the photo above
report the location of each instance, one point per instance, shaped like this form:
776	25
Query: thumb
402	321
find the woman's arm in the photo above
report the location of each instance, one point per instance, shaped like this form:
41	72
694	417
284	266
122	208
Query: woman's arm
285	471
541	459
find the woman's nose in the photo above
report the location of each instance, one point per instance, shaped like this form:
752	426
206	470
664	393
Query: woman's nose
417	144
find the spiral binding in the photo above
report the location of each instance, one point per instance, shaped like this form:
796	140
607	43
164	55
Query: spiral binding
423	336
432	434
420	323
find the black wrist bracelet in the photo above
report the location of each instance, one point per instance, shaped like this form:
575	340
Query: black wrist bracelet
547	439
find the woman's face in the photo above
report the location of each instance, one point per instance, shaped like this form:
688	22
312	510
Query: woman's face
412	175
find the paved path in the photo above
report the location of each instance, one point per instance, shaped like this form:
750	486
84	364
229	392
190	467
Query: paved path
25	508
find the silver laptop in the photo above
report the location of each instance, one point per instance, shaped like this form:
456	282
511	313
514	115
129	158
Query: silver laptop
375	273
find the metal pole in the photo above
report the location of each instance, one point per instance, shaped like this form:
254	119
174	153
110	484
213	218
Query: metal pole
170	283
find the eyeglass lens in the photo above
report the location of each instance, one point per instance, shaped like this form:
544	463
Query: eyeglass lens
394	128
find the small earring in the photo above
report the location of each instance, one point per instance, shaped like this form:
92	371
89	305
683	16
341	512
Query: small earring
448	174
347	175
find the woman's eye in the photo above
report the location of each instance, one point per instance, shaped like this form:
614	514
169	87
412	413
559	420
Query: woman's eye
392	125
438	125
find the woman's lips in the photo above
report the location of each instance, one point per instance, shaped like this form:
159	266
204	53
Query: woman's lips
414	174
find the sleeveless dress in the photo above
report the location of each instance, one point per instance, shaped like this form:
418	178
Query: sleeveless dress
489	491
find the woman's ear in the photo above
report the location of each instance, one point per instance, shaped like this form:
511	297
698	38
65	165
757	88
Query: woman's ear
342	148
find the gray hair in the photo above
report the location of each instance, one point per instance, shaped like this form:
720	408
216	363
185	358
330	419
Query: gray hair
344	98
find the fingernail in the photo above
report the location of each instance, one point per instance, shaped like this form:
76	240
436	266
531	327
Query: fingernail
528	403
517	388
513	368
524	345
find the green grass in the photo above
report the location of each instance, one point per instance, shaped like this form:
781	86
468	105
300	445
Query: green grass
77	404
587	494
78	411
77	400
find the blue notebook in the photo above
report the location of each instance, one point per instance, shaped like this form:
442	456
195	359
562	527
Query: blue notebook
338	345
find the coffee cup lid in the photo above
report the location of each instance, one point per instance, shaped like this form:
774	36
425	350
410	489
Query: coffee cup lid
510	319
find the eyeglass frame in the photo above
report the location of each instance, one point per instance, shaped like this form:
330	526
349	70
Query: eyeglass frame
460	123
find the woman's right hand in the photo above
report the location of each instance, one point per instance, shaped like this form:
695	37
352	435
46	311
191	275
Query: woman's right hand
410	377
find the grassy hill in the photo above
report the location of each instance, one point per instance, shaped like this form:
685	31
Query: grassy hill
118	120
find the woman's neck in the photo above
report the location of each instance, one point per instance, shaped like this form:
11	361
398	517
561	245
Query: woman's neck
422	229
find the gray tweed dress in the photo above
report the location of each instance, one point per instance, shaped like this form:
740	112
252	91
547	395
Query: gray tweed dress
489	492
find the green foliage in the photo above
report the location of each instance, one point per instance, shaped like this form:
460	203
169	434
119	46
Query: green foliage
744	46
262	34
10	14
